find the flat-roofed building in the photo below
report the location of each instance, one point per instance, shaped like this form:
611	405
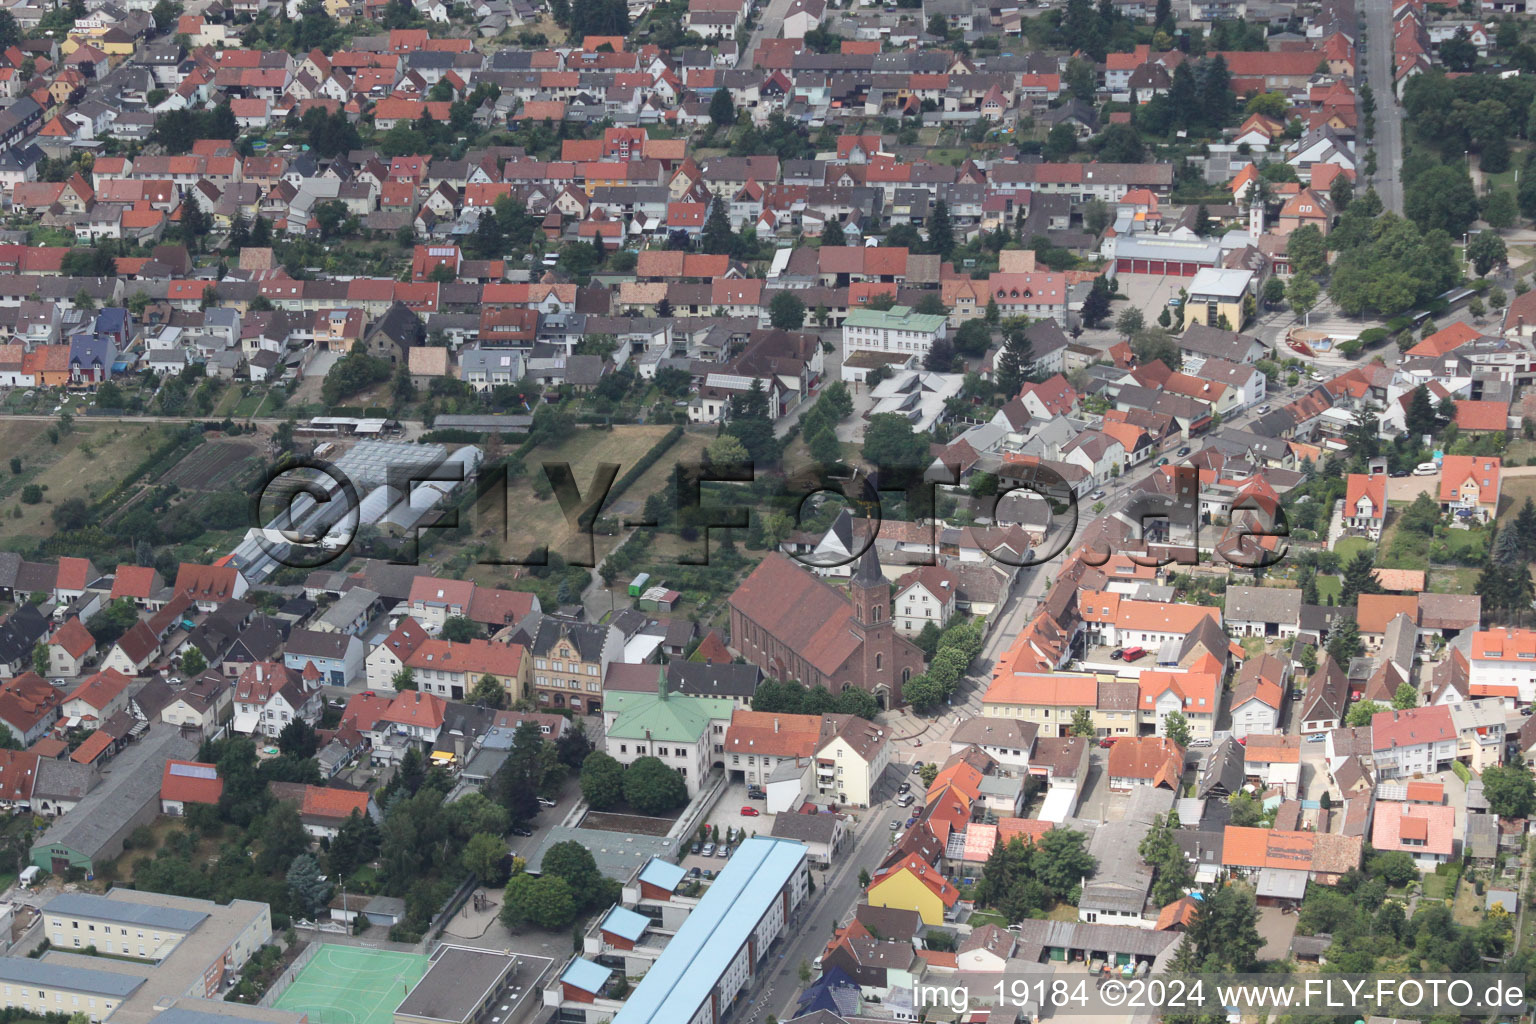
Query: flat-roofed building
460	987
78	920
40	987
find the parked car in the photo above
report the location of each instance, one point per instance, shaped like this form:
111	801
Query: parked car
709	873
1096	495
709	850
895	824
905	800
695	848
1117	654
756	794
749	812
723	850
694	872
521	830
1134	653
545	801
1184	451
1108	741
917	768
904	787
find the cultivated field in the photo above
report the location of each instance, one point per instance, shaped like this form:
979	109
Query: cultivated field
85	463
213	466
532	520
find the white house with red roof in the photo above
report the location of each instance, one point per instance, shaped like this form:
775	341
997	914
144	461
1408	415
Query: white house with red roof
1504	657
75	574
1417	741
68	648
412	714
388	656
97	698
924	595
209	586
1049	398
1365	503
1469	486
1426	832
432	600
268	696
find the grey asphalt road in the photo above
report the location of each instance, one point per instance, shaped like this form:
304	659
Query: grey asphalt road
1388	140
768	27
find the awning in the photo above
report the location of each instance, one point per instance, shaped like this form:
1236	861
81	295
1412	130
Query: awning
443	757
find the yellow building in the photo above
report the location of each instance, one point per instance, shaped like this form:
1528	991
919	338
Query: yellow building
1217	294
913	884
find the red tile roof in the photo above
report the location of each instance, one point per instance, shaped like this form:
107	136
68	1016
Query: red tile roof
191	782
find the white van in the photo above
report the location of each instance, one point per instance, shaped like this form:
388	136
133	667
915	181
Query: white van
1425	469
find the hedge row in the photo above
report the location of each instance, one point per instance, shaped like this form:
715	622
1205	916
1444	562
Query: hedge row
646	462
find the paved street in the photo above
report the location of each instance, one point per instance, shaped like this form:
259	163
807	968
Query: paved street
768	27
1388	140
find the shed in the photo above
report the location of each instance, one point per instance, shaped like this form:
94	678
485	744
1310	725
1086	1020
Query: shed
385	910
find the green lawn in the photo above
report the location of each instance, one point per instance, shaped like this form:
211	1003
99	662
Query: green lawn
1453	581
248	405
982	917
1327	585
1435	887
1349	547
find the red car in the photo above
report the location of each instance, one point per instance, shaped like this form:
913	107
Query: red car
1133	653
749	812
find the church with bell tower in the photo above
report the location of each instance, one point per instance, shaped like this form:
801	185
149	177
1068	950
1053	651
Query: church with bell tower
792	625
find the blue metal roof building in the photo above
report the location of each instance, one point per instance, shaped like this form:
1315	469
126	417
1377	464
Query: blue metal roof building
625	923
686	973
586	975
663	874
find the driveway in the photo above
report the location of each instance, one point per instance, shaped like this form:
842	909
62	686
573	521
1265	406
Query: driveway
1276	929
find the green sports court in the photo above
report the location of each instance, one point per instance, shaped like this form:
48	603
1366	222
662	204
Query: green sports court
352	985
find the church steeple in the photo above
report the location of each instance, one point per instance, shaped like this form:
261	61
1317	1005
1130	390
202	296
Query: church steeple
870	592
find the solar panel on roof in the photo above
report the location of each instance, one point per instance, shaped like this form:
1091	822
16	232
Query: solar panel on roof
194	771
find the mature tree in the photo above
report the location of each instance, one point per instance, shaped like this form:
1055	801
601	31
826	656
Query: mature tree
308	889
484	856
726	450
282	838
460	629
1096	305
923	692
1245	811
1176	728
1510	788
940	357
1015	363
1458	53
1274	292
545	902
573	862
832	234
403	680
1160	851
1082	722
1501	209
941	230
650	787
722	112
1341	193
1224	932
1361	713
1406	697
602	781
1307	250
1486	250
1443	198
525	773
786	311
718	236
1155	344
891	444
488	692
298	739
1130	321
